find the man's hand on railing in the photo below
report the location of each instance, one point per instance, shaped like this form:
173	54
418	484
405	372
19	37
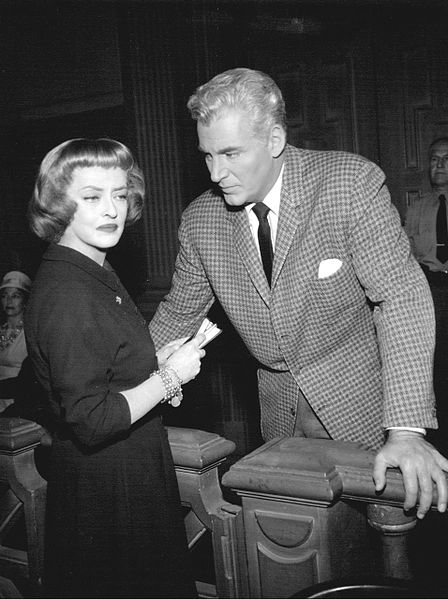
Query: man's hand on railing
421	466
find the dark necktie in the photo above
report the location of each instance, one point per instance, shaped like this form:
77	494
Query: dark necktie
442	232
264	238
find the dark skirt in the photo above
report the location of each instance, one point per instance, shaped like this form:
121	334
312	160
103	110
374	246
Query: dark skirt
114	520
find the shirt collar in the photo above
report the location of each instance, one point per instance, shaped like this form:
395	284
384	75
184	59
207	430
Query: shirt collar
272	199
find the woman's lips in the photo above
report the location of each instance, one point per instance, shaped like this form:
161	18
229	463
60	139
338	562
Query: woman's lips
108	228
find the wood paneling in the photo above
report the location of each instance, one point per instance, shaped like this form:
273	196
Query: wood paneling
412	107
67	58
150	60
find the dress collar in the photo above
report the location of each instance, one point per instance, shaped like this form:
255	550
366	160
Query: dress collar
62	253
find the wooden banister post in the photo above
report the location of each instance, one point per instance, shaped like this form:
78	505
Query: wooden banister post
197	455
18	439
298	530
394	526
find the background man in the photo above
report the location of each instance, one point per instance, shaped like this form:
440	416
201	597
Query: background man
426	226
294	243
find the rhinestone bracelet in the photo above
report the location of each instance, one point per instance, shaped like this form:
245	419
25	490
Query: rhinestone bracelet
173	386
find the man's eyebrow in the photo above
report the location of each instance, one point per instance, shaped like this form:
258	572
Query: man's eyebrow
227	150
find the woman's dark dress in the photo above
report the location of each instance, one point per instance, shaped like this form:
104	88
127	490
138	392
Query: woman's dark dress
114	522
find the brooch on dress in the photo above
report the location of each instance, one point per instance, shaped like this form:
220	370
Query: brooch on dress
118	299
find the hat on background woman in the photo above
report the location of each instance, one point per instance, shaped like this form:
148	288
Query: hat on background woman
17	279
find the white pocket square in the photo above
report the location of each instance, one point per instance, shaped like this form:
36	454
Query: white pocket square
328	267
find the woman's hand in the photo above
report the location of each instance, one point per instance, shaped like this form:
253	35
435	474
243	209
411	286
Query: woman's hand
185	360
167	350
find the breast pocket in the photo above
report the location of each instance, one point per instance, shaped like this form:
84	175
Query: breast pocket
332	295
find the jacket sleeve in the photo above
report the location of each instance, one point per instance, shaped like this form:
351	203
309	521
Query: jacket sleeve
411	224
78	343
181	312
402	302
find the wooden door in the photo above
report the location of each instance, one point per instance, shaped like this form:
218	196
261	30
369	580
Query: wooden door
412	102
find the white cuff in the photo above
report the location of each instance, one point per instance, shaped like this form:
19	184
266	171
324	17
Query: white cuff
407	428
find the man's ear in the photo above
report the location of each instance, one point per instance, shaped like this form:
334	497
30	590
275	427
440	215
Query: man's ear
277	140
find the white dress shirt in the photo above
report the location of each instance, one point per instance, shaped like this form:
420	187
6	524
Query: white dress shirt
272	201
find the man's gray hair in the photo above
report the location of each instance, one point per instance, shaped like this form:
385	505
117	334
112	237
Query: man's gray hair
244	89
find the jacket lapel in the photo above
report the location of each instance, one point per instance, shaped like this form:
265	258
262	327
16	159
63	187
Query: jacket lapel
294	211
295	206
245	246
287	227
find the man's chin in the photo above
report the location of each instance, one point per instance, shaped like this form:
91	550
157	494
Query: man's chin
233	200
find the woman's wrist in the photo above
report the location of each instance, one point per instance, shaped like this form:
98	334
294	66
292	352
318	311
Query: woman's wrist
172	384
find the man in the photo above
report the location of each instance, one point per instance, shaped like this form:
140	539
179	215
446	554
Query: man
331	363
426	226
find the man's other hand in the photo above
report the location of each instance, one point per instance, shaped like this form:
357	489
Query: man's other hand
421	465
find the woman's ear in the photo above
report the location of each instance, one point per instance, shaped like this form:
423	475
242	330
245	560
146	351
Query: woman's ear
277	140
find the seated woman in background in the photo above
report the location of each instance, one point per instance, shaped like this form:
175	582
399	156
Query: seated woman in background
14	292
114	525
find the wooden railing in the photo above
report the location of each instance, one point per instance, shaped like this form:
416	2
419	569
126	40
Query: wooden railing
303	511
23	495
197	456
309	507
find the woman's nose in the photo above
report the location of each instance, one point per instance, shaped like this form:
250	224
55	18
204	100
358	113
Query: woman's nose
110	208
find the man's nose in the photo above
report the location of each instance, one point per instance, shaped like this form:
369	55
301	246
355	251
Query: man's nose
217	170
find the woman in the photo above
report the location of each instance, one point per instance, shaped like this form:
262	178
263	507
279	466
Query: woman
114	522
14	291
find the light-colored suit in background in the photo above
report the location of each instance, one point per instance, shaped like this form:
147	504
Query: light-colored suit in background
362	364
421	228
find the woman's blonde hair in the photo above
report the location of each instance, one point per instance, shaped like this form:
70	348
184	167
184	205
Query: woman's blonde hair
50	211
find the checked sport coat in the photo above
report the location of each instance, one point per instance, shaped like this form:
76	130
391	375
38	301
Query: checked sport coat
359	343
